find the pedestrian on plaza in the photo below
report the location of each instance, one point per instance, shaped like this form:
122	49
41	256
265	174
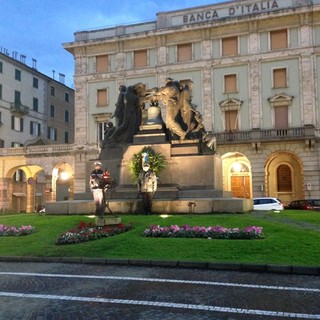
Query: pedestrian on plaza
147	184
97	185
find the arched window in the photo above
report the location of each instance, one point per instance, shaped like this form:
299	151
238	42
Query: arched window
284	180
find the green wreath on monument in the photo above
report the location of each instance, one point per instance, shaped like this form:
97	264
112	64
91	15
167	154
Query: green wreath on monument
156	161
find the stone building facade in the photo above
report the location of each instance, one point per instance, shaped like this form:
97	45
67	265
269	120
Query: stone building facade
36	131
255	66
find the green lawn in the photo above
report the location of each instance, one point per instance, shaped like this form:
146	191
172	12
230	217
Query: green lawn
284	243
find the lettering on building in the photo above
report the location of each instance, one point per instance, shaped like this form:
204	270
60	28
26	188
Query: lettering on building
251	8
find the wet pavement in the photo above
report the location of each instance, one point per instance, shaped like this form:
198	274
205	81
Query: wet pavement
72	291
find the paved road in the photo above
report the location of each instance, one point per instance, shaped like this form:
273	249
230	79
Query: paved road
57	291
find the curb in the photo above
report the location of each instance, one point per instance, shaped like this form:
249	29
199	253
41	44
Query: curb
261	268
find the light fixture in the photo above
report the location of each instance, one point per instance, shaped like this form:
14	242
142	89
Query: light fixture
64	175
236	165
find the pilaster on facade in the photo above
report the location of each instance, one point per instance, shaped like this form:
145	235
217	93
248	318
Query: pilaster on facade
255	93
307	88
208	98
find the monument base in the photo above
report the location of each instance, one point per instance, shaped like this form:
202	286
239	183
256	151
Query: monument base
107	221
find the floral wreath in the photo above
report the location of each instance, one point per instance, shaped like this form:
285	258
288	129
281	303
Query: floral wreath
155	159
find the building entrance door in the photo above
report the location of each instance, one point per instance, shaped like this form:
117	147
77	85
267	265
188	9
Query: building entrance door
240	186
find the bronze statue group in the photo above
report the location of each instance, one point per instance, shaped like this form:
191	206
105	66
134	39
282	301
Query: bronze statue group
182	122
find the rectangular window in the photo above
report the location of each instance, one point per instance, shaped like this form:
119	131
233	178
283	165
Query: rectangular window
17	124
35	128
230	83
1	143
280	78
0	91
35	83
66	97
1	67
279	39
17	74
102	97
184	52
102	63
17	97
66	137
229	46
52	91
66	116
52	111
52	134
281	117
140	58
35	104
16	145
231	118
101	130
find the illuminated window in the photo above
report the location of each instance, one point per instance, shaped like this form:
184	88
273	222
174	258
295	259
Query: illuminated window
184	52
230	46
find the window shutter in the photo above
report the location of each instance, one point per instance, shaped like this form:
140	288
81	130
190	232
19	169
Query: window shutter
230	46
102	63
31	127
140	58
12	122
184	52
21	125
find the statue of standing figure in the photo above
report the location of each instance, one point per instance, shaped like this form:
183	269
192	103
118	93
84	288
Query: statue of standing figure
132	113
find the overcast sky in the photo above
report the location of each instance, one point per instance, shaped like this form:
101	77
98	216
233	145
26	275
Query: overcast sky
37	28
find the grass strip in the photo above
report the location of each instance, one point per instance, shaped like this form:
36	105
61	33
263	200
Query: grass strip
283	244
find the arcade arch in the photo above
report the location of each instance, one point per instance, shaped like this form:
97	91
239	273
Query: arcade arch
27	187
237	176
284	177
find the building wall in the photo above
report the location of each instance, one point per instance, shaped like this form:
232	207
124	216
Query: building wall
256	97
28	111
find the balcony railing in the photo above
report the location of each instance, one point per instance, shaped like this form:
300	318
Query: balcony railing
18	108
267	135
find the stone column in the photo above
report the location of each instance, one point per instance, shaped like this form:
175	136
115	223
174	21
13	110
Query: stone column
30	198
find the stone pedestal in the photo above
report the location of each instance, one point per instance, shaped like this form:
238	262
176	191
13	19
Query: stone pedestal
107	221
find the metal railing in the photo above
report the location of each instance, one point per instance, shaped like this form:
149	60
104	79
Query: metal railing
18	107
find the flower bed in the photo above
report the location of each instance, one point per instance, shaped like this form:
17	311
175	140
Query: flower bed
215	232
88	231
14	231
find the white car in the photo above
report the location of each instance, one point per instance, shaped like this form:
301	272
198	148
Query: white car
267	203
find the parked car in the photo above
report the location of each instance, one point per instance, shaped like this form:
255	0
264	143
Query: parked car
267	203
310	204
